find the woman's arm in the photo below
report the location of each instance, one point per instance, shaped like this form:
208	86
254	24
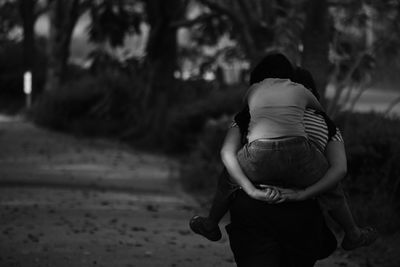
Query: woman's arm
312	101
336	156
229	157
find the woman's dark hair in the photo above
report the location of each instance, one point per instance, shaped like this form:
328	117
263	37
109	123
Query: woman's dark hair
274	65
304	77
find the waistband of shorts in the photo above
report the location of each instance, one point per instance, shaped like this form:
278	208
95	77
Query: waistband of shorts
279	142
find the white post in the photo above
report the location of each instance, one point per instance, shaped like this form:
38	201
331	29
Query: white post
28	88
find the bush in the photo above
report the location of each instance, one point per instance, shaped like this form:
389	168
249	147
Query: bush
90	105
186	122
12	97
202	167
373	151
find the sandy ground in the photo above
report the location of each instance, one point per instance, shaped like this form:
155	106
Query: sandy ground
78	202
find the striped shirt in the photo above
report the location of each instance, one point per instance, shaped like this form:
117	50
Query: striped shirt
317	130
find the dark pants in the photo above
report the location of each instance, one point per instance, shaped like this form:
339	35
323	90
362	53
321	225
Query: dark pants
281	235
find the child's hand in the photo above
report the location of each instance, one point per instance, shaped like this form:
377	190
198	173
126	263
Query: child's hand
270	195
292	194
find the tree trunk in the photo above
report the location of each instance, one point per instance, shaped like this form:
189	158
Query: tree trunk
316	38
161	57
26	9
161	50
63	17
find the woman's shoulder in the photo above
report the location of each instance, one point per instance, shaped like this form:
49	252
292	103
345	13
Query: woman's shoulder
268	82
279	86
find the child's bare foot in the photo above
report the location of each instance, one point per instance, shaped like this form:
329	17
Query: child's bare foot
203	226
365	237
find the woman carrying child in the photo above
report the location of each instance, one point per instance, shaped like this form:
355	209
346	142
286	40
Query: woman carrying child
287	134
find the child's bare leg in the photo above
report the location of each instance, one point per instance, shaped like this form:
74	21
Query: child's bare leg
342	215
208	226
340	211
221	202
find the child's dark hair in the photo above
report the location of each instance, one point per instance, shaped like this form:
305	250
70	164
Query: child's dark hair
273	65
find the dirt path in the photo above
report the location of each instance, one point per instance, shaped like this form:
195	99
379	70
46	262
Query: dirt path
80	202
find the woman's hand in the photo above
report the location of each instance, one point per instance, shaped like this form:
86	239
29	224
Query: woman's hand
270	195
292	194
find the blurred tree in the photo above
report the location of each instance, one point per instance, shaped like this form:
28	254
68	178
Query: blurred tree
363	31
63	15
112	21
9	20
334	39
20	15
161	57
339	39
258	26
27	12
316	37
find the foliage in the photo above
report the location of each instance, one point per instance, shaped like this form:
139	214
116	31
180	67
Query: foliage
11	68
9	19
363	35
256	26
110	95
112	21
186	121
373	150
201	169
92	105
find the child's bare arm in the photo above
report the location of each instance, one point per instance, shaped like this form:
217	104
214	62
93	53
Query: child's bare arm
336	156
229	157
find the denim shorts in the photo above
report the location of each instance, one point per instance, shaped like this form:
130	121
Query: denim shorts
286	162
291	162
